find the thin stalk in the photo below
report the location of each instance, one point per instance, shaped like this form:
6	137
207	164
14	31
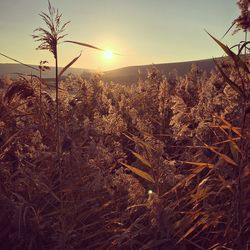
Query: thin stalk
239	181
241	164
57	105
245	42
40	96
58	149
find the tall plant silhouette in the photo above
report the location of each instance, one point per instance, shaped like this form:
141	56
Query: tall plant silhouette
49	38
241	23
42	67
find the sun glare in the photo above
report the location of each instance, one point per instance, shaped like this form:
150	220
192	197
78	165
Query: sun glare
108	54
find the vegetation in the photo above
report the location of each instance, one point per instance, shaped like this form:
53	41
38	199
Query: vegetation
159	164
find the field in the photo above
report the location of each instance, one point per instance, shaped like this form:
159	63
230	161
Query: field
161	163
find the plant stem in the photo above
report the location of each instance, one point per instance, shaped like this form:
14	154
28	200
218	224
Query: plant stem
245	42
40	96
241	164
57	106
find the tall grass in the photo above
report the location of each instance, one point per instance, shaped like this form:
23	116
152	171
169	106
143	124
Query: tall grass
49	39
161	164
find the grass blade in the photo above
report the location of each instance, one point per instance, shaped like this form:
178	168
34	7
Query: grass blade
226	49
85	45
68	65
236	130
199	164
244	45
231	54
26	65
141	158
228	30
233	85
138	141
223	156
139	172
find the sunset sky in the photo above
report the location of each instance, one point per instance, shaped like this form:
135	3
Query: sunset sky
143	31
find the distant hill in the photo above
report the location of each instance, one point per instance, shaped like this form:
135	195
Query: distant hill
131	74
126	75
12	68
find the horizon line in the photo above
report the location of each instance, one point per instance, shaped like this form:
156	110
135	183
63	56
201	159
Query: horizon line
138	65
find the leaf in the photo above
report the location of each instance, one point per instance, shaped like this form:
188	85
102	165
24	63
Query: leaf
68	65
203	182
243	46
198	222
180	183
225	141
231	140
200	164
230	53
228	159
236	130
226	49
141	158
85	45
235	150
198	169
229	82
138	141
26	65
201	193
229	29
223	156
139	172
225	184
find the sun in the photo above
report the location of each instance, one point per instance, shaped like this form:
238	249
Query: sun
108	54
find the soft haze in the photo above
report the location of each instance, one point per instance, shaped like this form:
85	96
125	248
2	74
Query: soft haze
143	31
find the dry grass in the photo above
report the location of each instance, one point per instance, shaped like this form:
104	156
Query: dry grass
161	164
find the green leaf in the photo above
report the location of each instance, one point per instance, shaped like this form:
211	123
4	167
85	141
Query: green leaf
141	158
139	172
68	65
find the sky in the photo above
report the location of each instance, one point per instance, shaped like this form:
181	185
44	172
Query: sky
142	31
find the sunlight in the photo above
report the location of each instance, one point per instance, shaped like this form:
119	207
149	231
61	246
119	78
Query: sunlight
108	54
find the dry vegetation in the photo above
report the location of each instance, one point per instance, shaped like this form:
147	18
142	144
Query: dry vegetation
161	164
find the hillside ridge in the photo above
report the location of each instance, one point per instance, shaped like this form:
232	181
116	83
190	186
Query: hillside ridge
128	74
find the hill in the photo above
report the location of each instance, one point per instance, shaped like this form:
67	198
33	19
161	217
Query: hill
13	68
131	74
126	75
